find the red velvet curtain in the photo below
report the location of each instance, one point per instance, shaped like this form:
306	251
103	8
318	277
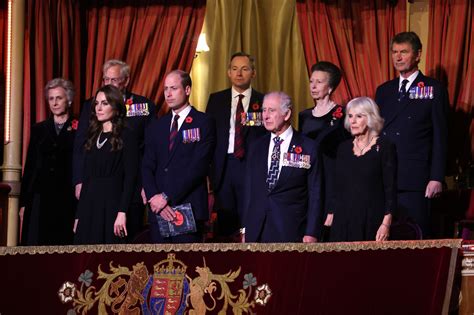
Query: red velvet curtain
72	39
52	49
153	37
450	59
355	35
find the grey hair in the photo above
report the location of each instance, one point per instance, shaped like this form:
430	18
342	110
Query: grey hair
367	106
63	83
285	100
124	67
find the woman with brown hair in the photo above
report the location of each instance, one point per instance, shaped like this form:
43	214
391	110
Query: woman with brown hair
323	123
110	171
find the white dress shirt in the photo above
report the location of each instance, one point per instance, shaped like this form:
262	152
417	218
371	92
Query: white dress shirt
182	116
410	79
286	136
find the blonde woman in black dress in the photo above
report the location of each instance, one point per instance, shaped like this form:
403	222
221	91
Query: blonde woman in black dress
366	190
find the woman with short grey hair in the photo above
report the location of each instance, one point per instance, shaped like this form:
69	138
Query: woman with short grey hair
47	203
366	193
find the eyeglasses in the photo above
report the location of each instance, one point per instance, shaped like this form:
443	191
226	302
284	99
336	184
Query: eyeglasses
108	80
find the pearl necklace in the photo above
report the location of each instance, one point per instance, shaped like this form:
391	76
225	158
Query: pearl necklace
365	146
100	144
328	108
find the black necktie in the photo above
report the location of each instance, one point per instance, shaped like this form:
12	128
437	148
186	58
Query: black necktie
403	90
173	132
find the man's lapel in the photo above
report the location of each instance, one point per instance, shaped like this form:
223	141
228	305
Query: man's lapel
188	123
254	106
391	112
286	171
394	111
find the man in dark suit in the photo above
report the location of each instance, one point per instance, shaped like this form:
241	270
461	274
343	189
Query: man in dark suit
415	108
282	198
140	112
178	151
234	135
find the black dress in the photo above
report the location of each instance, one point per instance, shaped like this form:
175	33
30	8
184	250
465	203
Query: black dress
366	190
46	189
108	187
328	132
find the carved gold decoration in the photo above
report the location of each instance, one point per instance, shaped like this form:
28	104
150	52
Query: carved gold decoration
219	247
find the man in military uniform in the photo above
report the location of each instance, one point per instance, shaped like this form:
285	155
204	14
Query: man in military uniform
415	108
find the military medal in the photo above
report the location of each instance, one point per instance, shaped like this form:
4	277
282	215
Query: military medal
137	109
191	135
297	160
421	92
252	119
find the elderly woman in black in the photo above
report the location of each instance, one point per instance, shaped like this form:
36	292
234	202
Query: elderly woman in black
47	203
365	175
110	171
324	123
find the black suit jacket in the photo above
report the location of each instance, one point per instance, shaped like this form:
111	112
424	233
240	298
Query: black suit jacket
294	202
418	128
219	108
136	123
180	174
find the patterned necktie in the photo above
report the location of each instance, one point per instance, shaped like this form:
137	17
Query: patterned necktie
239	145
403	90
272	175
173	132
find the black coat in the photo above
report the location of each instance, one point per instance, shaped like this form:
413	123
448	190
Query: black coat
46	190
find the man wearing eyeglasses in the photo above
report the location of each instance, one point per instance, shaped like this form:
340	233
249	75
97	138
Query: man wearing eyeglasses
140	112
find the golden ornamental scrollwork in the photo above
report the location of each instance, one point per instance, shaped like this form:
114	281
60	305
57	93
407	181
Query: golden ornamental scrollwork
220	247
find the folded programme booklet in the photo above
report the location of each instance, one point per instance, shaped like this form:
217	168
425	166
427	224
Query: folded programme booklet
183	223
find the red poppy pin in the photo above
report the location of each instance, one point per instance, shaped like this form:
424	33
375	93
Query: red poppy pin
74	124
337	113
129	101
421	84
255	106
298	150
188	120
